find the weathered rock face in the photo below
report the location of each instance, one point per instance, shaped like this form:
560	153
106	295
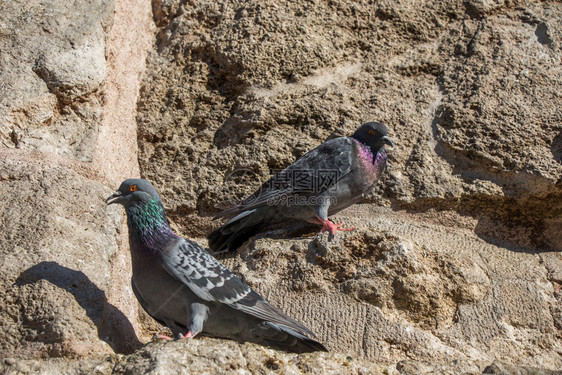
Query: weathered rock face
53	65
59	244
212	356
239	90
57	241
454	267
407	300
470	91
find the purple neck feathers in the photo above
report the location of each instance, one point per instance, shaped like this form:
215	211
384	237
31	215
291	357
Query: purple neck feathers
148	227
377	158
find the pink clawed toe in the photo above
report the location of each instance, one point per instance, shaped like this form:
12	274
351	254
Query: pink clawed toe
188	335
328	226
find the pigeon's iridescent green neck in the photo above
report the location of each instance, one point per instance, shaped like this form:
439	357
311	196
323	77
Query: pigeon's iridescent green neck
147	220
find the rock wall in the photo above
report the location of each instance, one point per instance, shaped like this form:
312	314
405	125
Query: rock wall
470	92
70	79
455	267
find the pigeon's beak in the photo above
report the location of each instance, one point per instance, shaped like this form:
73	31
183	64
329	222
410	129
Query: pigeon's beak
387	141
114	198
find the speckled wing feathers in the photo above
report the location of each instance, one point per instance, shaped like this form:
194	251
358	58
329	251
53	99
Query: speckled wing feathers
335	155
210	280
203	274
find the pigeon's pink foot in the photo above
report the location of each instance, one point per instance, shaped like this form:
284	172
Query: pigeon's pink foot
328	226
161	337
188	335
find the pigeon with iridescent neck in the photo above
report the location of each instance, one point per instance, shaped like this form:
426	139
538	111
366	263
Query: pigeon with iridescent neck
324	181
182	286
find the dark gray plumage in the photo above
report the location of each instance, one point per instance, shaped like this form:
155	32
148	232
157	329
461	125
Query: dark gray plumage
181	285
326	180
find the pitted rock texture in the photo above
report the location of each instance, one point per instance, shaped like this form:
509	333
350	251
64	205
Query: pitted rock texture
470	93
445	295
62	271
53	69
211	356
57	242
455	267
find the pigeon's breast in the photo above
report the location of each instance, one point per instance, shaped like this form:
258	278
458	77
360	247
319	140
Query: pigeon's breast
370	166
163	296
362	178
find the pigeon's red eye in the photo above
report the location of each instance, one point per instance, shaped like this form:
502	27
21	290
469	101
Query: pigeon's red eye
371	132
133	187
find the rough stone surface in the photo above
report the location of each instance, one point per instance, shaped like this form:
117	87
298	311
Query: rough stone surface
455	268
52	69
56	366
211	356
470	92
57	241
462	266
379	294
61	262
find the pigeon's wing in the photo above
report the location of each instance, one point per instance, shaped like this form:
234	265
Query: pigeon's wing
211	281
315	172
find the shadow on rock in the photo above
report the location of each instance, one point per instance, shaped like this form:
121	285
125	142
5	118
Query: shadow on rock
289	230
556	147
113	326
234	131
516	225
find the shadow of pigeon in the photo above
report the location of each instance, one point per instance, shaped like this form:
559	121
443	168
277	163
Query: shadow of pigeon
113	326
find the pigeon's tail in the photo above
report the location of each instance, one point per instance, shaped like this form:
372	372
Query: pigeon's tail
307	345
287	339
237	230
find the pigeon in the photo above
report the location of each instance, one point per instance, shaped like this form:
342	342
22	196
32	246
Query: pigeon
184	287
324	181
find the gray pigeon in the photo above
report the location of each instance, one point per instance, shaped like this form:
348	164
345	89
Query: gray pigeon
182	286
326	180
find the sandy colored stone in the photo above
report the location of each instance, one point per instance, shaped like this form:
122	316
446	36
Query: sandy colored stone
462	262
256	86
53	69
99	365
454	268
57	242
116	149
383	296
212	356
71	296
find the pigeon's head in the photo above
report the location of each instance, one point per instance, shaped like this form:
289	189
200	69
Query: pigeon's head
373	134
133	191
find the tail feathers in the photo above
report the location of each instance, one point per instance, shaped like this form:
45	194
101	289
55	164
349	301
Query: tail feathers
237	230
308	345
287	339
